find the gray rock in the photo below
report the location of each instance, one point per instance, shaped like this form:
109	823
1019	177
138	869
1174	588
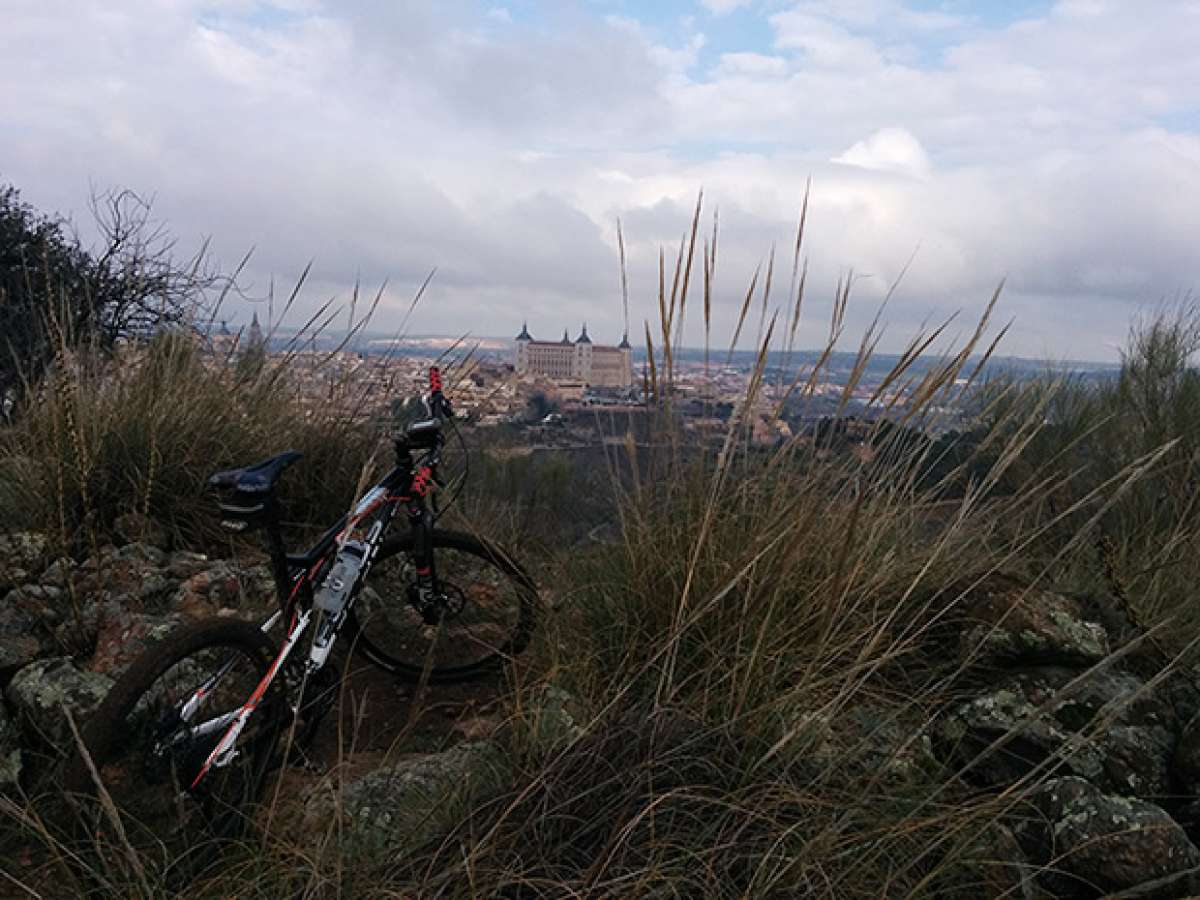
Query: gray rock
10	751
866	740
44	600
133	574
257	587
1009	623
101	559
211	588
28	615
154	589
407	803
21	553
122	636
552	716
183	564
1092	842
1108	728
40	692
141	552
18	651
882	743
58	573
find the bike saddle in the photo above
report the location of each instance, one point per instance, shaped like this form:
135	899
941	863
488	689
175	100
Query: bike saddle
259	478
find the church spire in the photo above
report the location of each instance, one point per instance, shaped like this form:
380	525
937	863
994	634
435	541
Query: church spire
255	337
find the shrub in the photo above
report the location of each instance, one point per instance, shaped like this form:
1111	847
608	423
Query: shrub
141	433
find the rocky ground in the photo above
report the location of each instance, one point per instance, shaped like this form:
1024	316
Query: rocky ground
68	631
1063	708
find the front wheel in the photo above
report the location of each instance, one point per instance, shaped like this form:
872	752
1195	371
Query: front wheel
485	615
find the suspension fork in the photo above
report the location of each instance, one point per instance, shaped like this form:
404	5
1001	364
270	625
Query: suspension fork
423	593
421	521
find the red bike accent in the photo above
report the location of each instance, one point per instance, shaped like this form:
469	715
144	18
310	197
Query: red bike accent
435	379
422	482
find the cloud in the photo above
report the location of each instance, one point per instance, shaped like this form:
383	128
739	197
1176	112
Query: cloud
381	139
888	150
723	7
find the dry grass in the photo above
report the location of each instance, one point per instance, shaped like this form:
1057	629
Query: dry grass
757	603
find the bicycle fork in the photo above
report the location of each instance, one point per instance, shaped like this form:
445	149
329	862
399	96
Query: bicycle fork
423	592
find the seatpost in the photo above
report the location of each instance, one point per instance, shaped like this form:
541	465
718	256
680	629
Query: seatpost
276	549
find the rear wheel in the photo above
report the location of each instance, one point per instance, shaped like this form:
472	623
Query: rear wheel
486	610
146	758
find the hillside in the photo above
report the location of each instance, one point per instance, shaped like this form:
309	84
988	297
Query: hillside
802	671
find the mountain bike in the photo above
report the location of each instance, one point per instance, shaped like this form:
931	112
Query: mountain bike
186	737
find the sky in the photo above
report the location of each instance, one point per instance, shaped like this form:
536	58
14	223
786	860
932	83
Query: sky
1051	145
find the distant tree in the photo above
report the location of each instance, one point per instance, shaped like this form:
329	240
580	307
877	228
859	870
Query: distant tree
55	293
250	362
538	406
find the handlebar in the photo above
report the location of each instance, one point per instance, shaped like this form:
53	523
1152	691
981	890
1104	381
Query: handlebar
439	406
427	433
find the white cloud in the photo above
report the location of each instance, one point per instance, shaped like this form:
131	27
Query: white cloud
888	150
752	65
382	139
723	7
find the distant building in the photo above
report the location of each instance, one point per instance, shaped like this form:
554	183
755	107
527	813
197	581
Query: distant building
255	337
580	360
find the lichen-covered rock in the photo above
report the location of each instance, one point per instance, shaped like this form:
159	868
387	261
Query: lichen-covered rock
28	616
183	564
1105	726
1009	623
879	742
19	644
101	559
41	691
10	751
58	573
208	590
869	741
553	717
22	556
408	802
141	552
133	574
1092	843
257	587
123	636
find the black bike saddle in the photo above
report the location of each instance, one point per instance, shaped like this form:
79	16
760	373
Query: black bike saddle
259	478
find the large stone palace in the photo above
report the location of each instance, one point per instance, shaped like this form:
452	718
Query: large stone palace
594	365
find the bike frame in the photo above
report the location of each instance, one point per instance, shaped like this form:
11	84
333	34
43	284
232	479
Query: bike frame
408	485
